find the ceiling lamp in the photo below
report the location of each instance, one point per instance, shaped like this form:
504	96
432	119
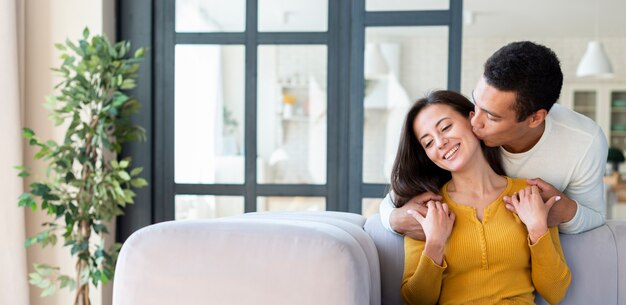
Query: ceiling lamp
595	62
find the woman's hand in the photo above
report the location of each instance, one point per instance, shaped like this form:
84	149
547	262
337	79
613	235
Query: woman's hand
532	211
437	227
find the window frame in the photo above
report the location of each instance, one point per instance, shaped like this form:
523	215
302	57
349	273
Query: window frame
152	23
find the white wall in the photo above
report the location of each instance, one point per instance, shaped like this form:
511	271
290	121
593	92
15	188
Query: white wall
569	50
46	23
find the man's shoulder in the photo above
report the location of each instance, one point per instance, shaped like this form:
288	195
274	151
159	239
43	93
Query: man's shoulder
575	133
569	123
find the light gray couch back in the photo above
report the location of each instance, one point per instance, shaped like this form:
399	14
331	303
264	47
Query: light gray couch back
595	259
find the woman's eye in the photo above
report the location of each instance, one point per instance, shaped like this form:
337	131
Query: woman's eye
427	144
446	127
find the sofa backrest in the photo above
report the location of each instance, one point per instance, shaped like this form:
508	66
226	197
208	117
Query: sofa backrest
390	248
594	258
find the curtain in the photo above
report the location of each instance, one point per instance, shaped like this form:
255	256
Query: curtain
13	278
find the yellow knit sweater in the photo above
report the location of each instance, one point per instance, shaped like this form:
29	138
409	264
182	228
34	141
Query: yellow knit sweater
488	262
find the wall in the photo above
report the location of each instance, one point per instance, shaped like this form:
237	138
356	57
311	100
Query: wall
569	51
46	23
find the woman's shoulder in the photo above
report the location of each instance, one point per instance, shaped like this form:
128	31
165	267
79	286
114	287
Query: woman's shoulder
517	184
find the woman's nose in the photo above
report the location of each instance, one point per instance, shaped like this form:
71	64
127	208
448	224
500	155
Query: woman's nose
441	142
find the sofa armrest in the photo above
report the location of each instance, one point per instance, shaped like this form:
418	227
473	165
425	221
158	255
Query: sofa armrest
242	261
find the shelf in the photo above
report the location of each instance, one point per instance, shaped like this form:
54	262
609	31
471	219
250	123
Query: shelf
294	87
618	109
297	118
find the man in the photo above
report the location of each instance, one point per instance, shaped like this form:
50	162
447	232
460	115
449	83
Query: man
515	109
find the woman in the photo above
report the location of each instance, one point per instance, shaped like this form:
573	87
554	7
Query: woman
492	255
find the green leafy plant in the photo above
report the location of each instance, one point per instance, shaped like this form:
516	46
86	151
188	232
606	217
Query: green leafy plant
85	186
615	157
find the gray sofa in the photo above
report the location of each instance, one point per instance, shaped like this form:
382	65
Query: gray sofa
595	259
314	258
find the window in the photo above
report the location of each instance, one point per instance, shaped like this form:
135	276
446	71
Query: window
257	105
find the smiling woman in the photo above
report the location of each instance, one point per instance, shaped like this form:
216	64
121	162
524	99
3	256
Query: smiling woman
460	262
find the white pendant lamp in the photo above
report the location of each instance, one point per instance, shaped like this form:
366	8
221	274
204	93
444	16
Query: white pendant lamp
375	63
595	62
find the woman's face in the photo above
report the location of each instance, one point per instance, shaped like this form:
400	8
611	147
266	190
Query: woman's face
446	136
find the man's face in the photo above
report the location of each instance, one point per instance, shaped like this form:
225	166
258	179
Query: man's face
494	119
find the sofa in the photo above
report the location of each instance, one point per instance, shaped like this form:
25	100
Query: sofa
315	258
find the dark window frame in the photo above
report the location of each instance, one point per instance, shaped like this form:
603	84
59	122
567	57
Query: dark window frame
151	23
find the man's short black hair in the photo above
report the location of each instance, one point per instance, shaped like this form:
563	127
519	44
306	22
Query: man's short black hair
531	71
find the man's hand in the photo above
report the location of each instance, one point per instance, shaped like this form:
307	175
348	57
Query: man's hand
532	211
437	226
406	224
562	211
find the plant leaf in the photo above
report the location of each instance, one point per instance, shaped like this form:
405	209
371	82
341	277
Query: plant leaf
124	175
136	171
138	182
48	291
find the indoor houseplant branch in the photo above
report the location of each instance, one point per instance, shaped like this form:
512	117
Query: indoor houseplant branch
85	186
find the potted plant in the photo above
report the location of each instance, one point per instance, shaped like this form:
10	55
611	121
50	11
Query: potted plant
615	157
85	186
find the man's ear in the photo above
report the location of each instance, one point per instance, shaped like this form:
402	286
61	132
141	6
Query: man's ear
537	118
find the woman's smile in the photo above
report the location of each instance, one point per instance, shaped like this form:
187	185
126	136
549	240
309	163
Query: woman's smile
452	152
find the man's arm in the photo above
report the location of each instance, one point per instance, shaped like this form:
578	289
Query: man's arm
583	203
397	220
587	189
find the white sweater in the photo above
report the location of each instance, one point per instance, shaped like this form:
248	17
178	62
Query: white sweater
571	155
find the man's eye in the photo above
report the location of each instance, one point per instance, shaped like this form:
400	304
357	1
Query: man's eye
491	117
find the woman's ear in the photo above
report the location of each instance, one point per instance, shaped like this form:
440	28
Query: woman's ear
537	118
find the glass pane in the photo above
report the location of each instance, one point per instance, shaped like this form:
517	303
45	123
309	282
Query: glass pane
618	119
291	114
209	114
370	206
402	64
293	15
275	203
585	103
406	5
203	206
210	16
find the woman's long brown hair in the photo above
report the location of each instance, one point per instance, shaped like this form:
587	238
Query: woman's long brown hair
413	173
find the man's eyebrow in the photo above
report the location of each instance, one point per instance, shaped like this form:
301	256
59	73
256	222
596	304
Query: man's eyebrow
483	109
438	122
